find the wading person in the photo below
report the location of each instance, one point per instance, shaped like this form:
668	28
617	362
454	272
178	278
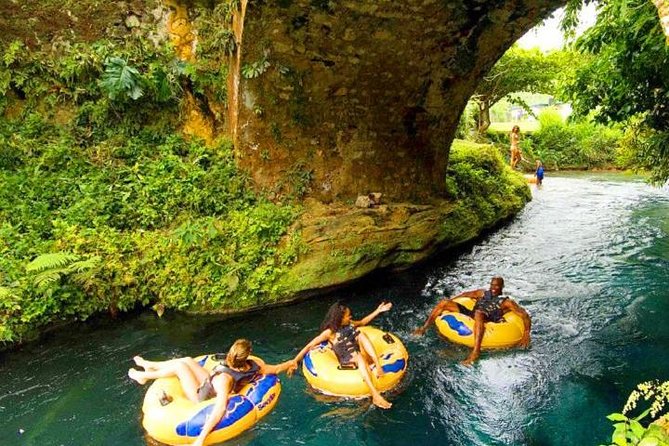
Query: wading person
490	307
515	148
539	172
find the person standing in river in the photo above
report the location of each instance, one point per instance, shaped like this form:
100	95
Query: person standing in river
490	307
539	173
515	148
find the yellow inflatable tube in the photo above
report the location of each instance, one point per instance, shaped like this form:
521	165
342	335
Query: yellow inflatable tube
180	421
322	371
459	328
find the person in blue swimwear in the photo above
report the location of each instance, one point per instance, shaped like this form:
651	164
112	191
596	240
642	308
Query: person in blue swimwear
539	173
490	307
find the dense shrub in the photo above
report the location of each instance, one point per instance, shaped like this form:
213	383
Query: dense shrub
172	222
577	145
644	149
479	178
566	145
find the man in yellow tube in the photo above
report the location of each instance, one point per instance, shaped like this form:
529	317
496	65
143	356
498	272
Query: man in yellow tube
490	307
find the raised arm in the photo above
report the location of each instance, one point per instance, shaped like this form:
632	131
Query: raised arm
221	385
324	336
383	307
270	369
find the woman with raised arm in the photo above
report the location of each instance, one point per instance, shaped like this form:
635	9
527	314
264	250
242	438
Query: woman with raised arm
351	347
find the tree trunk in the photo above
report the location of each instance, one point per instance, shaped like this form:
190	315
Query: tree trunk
484	117
663	11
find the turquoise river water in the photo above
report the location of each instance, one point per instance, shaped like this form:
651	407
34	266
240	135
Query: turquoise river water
588	258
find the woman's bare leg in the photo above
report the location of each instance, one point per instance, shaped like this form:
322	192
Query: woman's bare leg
377	399
196	368
368	352
181	368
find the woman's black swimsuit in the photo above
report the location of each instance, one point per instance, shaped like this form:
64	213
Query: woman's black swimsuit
239	379
346	344
490	305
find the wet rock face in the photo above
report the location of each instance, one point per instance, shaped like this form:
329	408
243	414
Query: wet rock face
365	95
45	23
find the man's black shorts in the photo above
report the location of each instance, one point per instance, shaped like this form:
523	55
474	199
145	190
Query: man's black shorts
494	316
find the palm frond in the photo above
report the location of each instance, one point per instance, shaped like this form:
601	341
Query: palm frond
83	265
50	268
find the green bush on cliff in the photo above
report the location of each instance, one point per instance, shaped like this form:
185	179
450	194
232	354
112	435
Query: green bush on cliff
479	171
91	167
172	222
484	187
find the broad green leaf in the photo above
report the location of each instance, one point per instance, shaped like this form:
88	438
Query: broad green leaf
617	417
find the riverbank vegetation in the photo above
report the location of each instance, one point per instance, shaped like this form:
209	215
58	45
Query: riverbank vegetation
158	218
562	145
105	206
626	78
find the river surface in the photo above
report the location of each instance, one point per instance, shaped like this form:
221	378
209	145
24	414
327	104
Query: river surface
588	258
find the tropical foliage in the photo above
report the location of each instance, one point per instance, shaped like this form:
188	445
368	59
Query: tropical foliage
519	70
627	76
573	145
152	218
103	206
629	430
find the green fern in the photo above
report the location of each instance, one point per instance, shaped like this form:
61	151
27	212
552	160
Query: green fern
51	261
50	268
6	293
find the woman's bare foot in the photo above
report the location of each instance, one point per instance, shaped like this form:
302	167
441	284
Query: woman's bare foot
381	402
137	376
141	362
470	360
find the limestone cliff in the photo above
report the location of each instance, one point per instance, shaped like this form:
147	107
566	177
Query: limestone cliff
366	94
348	96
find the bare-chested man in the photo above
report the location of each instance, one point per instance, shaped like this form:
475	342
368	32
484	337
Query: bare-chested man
490	307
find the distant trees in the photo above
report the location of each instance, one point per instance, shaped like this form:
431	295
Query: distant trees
626	77
518	70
